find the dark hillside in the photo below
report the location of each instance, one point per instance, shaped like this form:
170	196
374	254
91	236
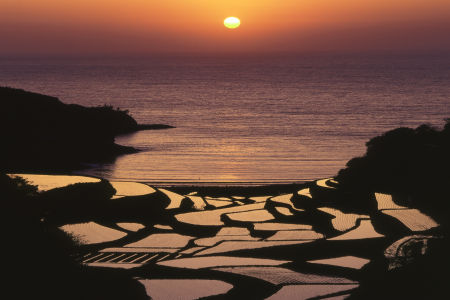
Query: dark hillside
411	162
38	130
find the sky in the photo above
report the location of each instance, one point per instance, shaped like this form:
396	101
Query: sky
177	26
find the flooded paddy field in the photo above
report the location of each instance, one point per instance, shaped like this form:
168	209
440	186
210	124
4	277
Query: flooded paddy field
278	242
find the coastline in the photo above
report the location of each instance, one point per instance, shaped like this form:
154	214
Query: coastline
366	227
42	134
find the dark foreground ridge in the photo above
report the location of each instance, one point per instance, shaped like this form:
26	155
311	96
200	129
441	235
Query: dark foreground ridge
40	133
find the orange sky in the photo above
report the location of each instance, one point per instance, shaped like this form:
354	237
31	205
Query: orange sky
148	26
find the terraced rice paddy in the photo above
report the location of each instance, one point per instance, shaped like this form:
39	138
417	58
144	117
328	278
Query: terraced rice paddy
323	183
413	219
218	261
283	251
163	227
286	199
175	199
345	261
230	246
192	250
131	226
140	250
114	265
124	189
343	222
284	211
199	203
302	292
305	192
217	203
48	182
259	215
280	226
281	276
294	235
92	233
162	240
127	260
233	231
213	217
364	231
184	289
217	239
385	202
224	198
260	199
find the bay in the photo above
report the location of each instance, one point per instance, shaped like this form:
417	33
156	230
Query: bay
244	119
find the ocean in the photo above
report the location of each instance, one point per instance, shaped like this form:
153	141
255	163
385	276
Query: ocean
244	119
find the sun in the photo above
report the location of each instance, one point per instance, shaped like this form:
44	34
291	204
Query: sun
232	22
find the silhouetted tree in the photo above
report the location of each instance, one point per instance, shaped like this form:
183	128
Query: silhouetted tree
413	162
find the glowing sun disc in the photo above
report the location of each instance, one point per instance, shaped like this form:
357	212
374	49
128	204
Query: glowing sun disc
232	22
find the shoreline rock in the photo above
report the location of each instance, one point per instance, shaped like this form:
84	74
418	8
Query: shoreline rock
153	127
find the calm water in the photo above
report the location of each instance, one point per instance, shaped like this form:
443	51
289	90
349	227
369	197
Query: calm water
245	118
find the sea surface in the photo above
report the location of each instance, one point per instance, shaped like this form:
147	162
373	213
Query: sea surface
244	119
